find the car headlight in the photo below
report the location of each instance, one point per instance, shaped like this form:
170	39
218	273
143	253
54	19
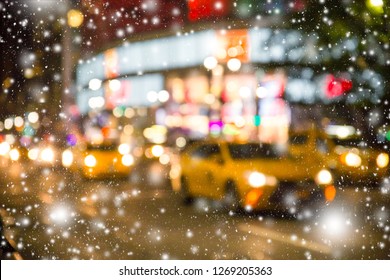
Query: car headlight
382	160
47	155
259	180
127	160
4	148
124	149
33	154
67	158
324	177
14	154
90	161
352	159
157	150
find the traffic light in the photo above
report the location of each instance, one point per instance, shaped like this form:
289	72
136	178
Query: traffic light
335	87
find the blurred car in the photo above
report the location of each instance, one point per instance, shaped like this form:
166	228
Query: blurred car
156	160
314	146
350	158
358	161
42	154
105	160
252	176
9	152
45	155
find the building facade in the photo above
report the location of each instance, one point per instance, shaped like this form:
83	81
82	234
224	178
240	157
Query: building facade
229	68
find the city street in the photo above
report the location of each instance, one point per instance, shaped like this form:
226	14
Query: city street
211	139
54	214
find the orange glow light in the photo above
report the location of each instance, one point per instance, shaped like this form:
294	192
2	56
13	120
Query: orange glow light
253	197
330	193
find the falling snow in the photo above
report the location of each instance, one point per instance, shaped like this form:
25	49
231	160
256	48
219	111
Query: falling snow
80	87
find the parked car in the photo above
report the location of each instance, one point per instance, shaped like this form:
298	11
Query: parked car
252	176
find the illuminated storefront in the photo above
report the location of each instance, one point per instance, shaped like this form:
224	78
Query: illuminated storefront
235	82
211	77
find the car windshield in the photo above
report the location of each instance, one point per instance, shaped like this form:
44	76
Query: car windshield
102	147
299	139
253	151
350	142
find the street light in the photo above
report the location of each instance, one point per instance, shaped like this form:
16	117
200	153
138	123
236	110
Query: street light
375	6
75	18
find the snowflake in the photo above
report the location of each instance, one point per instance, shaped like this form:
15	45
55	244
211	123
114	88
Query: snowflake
194	249
189	233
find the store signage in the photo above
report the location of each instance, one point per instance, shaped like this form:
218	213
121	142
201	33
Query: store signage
207	9
281	46
111	64
232	44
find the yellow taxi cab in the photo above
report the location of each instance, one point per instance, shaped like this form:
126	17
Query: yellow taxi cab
312	146
350	158
358	162
251	176
99	161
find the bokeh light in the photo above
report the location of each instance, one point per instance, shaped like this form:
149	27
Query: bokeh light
71	139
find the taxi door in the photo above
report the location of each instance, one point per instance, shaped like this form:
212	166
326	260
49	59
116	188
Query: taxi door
206	170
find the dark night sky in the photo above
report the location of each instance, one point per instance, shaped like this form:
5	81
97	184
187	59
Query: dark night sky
21	21
16	36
